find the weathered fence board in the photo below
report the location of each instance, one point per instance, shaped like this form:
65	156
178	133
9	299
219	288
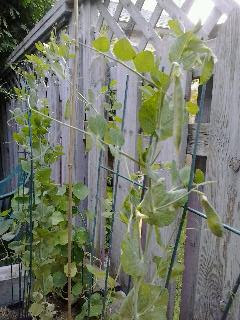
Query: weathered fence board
219	262
126	166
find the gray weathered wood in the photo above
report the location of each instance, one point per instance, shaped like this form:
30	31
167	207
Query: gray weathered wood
145	26
193	227
175	12
214	16
126	166
202	147
218	261
54	15
116	29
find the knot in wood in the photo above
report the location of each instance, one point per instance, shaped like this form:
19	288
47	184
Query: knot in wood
234	164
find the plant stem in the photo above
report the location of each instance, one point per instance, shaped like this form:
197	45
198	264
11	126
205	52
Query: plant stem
120	62
84	132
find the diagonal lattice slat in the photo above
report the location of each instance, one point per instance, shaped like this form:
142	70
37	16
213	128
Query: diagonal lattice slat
142	24
153	21
119	27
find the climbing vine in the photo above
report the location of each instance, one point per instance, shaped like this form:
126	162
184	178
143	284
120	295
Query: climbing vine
41	209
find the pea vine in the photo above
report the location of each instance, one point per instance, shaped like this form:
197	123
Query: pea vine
161	116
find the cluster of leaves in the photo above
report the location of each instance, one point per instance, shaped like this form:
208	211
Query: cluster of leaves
161	116
48	247
16	18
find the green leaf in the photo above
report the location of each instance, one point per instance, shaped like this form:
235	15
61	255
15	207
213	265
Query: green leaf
106	106
61	237
62	190
57	217
175	26
113	83
213	219
36	309
199	176
73	269
178	105
104	89
100	274
166	124
67	110
207	69
8	236
144	61
192	108
184	174
80	191
4	225
177	49
26	166
5	213
160	78
81	236
116	137
123	50
58	69
43	175
116	105
77	289
132	262
148	113
59	279
160	206
177	270
97	125
101	44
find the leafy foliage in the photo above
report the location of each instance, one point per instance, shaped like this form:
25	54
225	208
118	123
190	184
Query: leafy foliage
161	116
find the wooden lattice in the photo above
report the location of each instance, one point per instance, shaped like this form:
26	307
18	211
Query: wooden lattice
149	28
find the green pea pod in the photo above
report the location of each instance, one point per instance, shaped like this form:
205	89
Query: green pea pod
178	104
213	219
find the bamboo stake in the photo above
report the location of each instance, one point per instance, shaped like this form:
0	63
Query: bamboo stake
71	154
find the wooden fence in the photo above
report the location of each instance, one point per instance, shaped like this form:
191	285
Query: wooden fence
211	265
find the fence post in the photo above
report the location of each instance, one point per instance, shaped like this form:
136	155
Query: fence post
219	261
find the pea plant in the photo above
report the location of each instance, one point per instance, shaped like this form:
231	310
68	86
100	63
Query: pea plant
161	116
43	247
40	237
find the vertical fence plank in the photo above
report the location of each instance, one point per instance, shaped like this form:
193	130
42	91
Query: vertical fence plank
193	228
130	130
219	261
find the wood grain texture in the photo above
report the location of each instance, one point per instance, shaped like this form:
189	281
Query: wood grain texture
219	261
126	166
202	146
193	226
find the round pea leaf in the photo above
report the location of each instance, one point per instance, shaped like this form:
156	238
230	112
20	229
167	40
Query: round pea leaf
192	108
123	50
101	44
144	61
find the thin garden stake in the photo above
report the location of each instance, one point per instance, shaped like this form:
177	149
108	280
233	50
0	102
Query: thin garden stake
174	253
30	208
114	204
231	298
94	227
71	156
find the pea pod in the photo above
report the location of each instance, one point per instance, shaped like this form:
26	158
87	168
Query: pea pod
213	219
